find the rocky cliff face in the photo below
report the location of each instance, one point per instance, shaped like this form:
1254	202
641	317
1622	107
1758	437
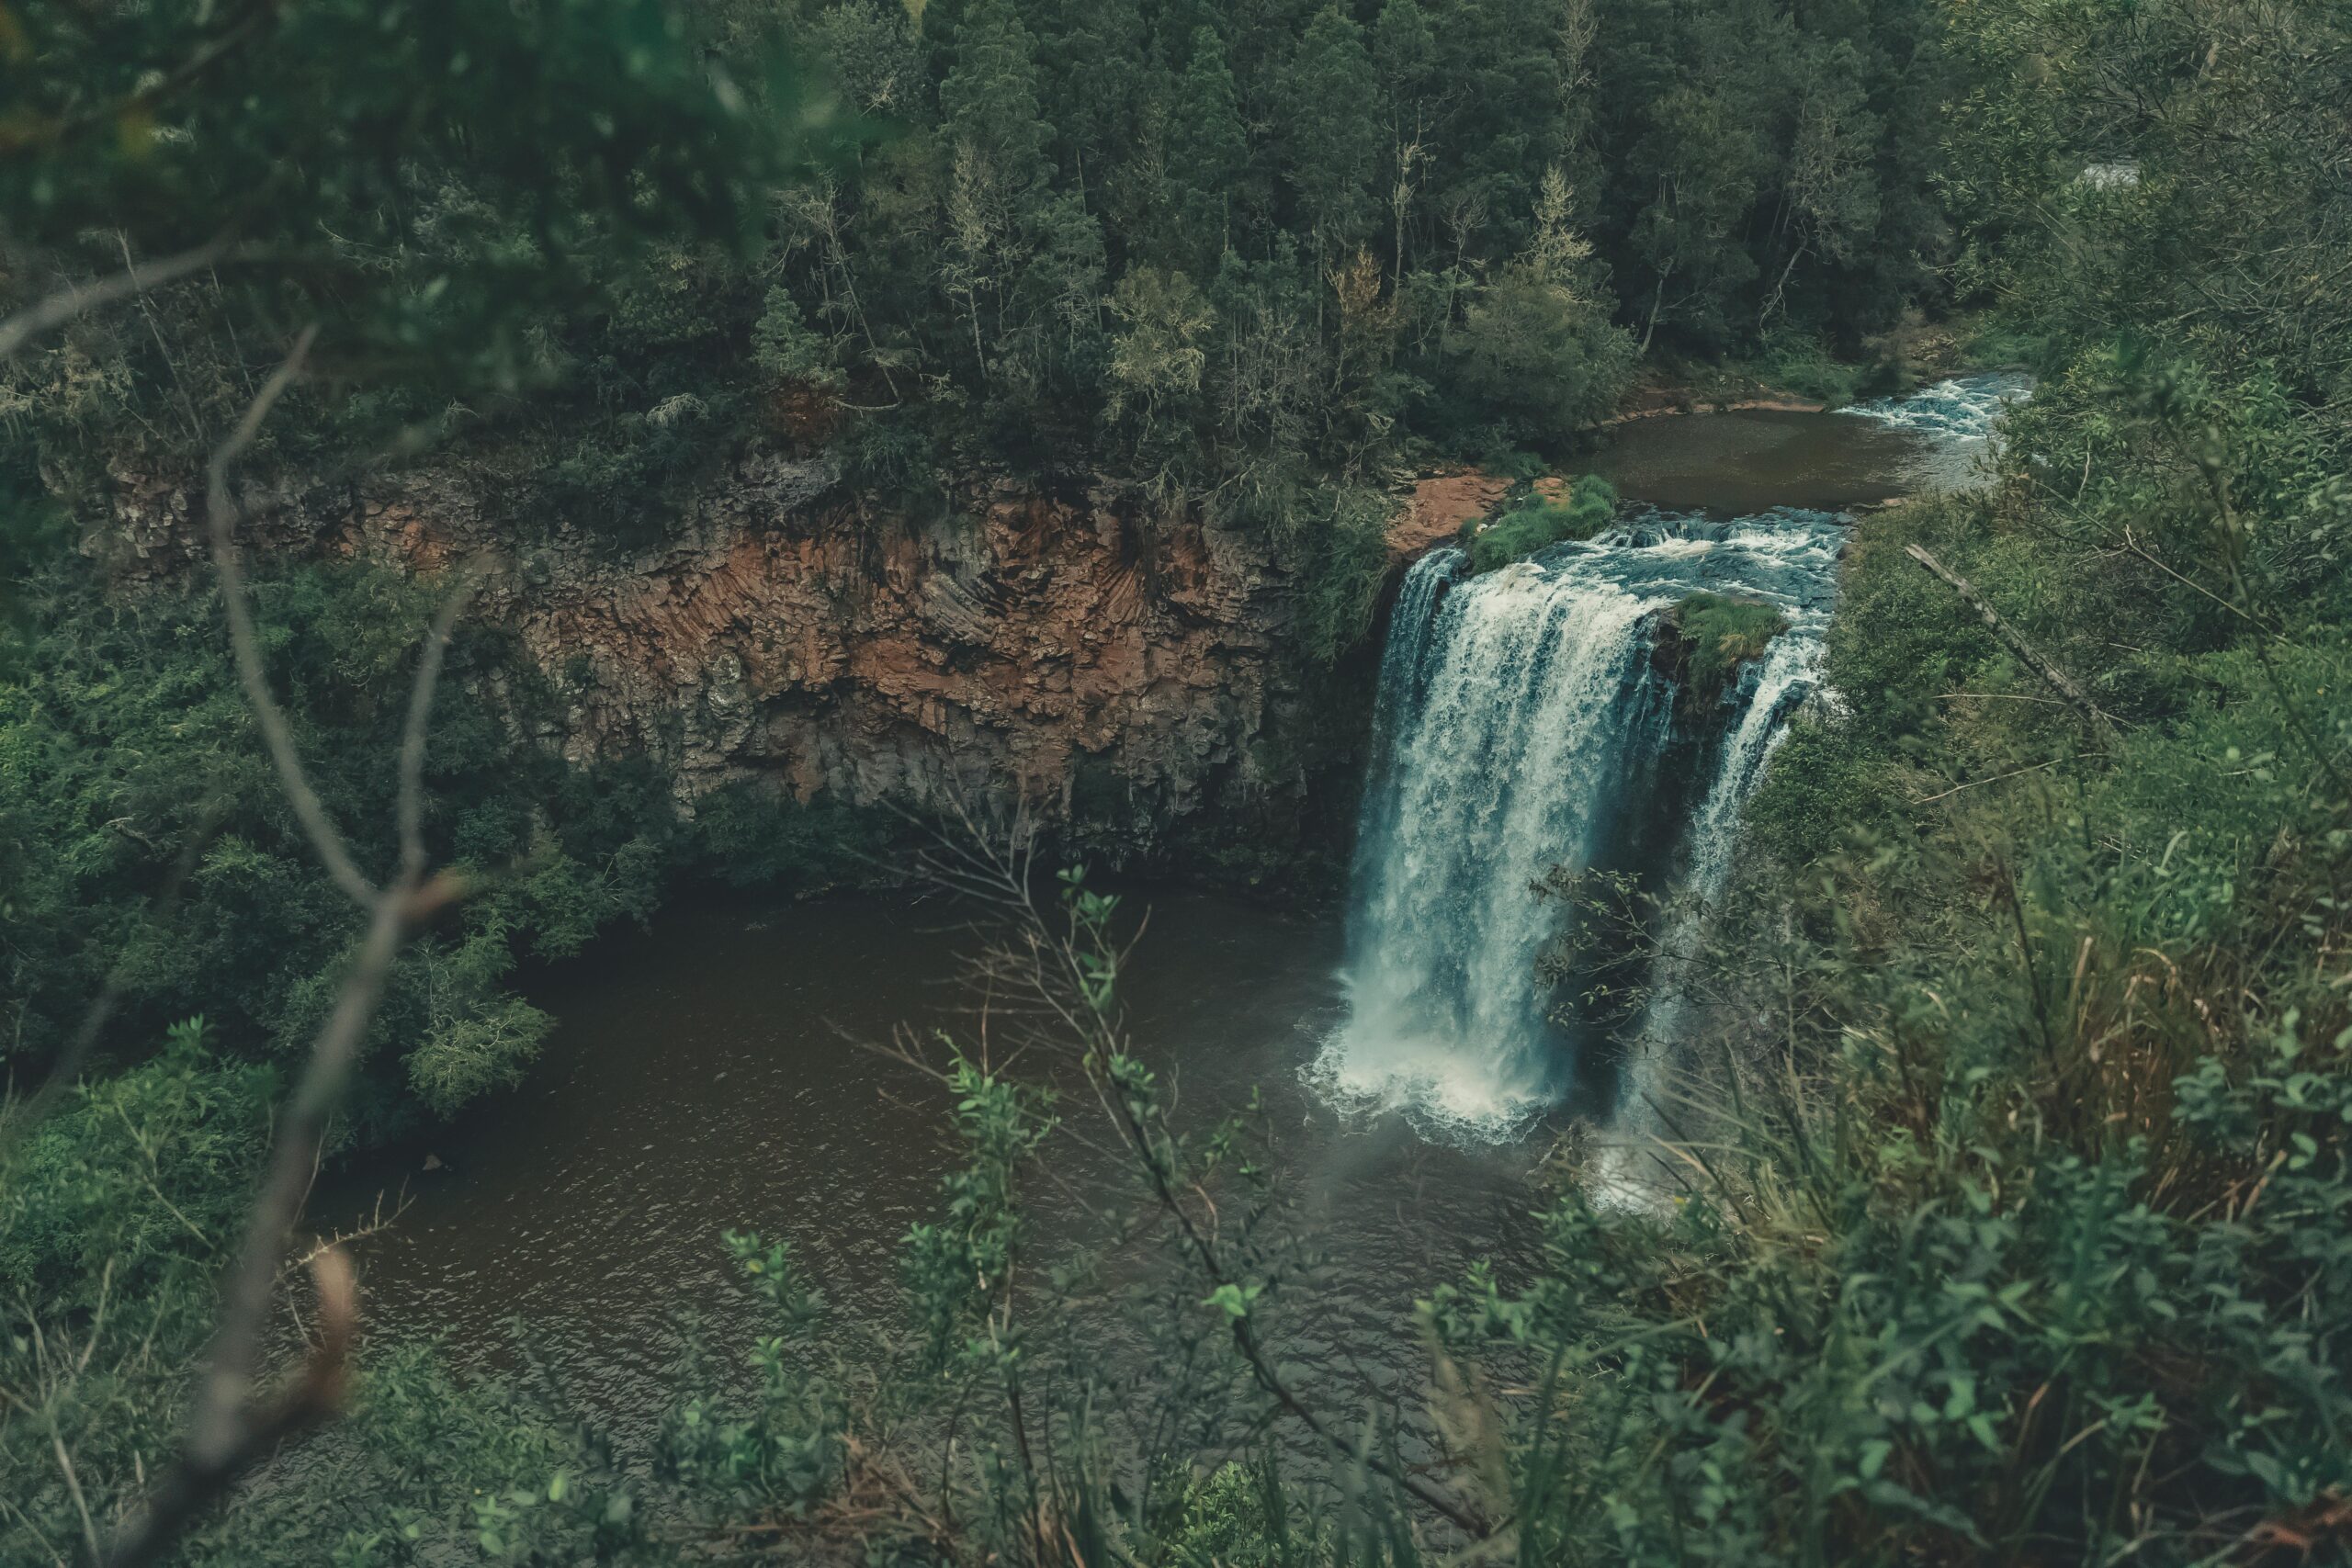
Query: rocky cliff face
1123	673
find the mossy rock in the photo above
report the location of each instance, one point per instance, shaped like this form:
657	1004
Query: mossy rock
1706	637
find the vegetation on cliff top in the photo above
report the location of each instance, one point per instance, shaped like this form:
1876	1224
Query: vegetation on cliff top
1716	636
1538	519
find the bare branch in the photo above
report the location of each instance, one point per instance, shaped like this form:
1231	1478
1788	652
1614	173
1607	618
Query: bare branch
228	1431
221	516
315	1394
411	806
72	1486
80	298
2102	728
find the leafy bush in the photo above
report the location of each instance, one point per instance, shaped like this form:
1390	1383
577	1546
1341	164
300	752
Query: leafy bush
116	1213
1801	363
1537	521
1346	563
124	741
1717	636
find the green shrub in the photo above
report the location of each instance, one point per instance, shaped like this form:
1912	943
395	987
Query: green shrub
1535	524
1717	636
1801	362
1345	563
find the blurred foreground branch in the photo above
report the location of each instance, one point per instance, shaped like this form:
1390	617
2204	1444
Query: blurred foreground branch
230	1429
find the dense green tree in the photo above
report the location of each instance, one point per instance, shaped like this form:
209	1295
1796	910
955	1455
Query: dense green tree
1207	152
1331	125
1537	346
1404	52
1703	164
1828	206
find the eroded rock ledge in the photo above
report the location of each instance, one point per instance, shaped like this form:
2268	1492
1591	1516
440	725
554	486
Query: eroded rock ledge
1125	671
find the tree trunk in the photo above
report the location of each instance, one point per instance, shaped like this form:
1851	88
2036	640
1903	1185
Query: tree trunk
1657	303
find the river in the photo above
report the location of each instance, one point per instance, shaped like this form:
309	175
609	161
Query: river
705	1075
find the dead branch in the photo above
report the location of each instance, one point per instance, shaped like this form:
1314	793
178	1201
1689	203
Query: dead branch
315	1393
1996	778
221	516
228	1430
2101	725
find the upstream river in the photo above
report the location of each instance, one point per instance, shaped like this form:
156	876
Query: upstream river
705	1075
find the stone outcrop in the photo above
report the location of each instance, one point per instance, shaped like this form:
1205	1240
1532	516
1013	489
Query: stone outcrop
1125	671
1438	508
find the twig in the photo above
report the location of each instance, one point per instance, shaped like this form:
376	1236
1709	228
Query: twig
315	1394
1996	697
2133	546
79	298
1048	966
222	515
1996	778
227	1432
73	1485
2101	725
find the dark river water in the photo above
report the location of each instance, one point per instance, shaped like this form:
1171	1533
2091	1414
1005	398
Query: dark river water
1749	459
700	1079
702	1074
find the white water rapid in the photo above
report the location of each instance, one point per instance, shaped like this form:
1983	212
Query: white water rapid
1957	418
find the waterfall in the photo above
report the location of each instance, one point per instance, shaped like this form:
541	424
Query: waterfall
1521	725
1621	1168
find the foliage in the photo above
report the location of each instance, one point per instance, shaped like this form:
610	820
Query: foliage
1345	573
469	202
115	1211
2008	1217
2064	1018
1716	636
1539	520
1803	366
828	1446
1219	248
126	747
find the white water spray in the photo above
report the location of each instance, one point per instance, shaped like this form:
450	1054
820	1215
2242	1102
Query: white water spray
1957	418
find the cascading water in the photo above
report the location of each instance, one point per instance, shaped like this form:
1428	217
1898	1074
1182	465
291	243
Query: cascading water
1955	420
1522	723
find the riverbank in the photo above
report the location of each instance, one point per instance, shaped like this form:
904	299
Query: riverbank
1800	375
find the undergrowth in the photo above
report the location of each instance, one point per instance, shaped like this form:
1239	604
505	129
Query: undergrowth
1537	520
1716	636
